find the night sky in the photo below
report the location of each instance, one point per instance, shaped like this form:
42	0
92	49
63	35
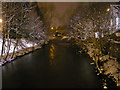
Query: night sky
61	11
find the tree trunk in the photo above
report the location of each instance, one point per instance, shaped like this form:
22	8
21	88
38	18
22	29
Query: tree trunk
1	57
14	49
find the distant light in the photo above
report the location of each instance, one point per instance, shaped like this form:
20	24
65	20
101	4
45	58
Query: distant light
52	28
105	87
108	10
0	20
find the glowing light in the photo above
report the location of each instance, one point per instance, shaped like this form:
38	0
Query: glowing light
52	54
64	37
0	20
52	28
105	87
108	10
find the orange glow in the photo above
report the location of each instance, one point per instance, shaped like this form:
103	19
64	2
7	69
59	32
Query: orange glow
108	9
52	54
52	28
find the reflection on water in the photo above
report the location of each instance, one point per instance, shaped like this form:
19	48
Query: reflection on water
52	54
53	66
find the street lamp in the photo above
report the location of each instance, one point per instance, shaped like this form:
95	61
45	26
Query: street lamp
108	10
52	28
0	20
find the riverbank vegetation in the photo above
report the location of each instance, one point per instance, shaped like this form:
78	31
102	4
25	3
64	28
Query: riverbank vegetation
90	27
23	27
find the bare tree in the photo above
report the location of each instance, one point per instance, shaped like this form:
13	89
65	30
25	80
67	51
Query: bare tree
21	20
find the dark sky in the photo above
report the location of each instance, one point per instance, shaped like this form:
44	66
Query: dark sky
61	11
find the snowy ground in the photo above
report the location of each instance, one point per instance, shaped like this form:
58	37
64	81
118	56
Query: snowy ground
22	44
0	45
25	44
110	66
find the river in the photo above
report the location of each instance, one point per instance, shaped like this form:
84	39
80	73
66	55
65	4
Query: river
56	65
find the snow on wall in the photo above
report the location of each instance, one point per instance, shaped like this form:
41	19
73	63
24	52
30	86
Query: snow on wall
0	45
24	42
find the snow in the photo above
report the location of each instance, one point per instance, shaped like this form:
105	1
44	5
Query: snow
0	45
25	44
26	22
22	44
96	34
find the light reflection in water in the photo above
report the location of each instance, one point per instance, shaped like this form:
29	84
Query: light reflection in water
52	54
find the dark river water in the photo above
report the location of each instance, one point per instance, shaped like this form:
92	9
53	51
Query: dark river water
56	65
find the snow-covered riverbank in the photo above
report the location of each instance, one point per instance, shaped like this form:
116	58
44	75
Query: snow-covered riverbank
24	46
106	64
